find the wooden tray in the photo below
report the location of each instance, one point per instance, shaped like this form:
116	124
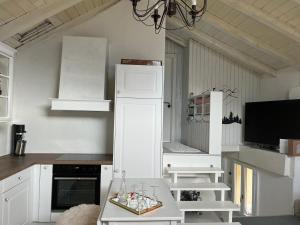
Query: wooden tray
159	204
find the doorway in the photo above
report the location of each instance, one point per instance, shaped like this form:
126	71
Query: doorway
169	98
245	188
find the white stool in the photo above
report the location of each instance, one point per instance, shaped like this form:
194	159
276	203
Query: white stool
80	215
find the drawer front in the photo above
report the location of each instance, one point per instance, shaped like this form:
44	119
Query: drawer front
15	179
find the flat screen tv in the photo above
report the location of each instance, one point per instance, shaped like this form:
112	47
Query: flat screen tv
267	122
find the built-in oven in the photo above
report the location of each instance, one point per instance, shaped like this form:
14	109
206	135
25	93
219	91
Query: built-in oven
74	185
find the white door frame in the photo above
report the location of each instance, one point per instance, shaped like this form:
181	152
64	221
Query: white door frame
173	57
254	188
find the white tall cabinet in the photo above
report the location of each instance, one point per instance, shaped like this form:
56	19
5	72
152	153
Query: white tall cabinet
138	121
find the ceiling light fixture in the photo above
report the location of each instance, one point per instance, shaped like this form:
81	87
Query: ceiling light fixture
159	9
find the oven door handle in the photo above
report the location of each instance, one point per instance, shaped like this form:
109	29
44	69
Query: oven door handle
75	178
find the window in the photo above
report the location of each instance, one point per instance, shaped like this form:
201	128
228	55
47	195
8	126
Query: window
244	184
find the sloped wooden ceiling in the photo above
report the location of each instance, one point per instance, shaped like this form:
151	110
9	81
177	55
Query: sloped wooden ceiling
22	21
264	34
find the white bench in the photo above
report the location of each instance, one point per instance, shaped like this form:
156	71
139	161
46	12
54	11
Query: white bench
180	171
208	206
178	187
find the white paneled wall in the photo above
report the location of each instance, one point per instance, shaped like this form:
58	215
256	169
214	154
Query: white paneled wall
207	70
178	51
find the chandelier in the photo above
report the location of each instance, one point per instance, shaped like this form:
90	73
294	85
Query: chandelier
159	9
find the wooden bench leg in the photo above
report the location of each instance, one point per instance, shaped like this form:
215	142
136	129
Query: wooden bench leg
230	217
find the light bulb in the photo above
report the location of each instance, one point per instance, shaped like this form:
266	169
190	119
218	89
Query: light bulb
194	2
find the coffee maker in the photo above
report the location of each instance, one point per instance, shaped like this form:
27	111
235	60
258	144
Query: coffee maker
18	142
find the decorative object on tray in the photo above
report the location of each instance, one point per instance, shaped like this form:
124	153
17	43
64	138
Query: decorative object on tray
141	62
136	203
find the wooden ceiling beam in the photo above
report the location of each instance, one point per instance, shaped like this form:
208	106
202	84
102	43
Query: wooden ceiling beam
175	38
34	17
227	50
263	18
246	38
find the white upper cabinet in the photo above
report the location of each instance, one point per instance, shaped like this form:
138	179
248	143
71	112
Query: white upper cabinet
135	81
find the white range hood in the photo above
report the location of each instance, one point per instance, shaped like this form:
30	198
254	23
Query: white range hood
82	75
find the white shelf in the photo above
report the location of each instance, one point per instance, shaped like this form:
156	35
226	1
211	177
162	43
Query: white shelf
4	96
80	105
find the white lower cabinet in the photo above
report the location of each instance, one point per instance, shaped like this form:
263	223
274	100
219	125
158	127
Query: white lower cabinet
45	193
16	204
106	177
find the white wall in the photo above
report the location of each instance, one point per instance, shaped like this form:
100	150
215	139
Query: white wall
37	78
4	138
278	88
207	70
275	194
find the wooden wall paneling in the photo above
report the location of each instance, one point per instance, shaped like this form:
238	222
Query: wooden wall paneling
209	69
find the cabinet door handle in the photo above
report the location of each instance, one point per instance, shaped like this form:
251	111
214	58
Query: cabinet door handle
6	199
20	178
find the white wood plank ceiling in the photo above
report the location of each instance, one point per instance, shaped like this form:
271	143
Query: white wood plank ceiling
23	21
261	34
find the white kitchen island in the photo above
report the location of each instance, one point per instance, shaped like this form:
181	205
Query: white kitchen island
168	214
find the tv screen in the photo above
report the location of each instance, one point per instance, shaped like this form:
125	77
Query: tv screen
267	122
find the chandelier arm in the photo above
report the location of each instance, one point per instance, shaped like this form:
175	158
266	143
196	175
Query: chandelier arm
162	18
186	22
142	20
194	10
148	11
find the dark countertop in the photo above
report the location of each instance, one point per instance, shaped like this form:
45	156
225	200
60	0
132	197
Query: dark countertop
10	165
